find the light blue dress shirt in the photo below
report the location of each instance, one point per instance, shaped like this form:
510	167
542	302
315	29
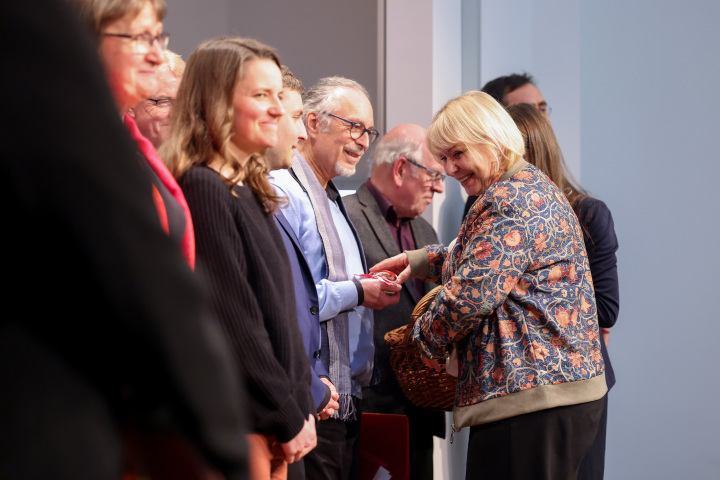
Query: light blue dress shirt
333	297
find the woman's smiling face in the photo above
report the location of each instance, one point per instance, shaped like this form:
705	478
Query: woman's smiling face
475	168
257	107
131	66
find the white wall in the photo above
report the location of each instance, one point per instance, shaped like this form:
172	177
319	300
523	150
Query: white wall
408	62
632	85
514	36
541	38
650	104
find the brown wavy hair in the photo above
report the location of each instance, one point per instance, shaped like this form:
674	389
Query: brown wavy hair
543	151
203	115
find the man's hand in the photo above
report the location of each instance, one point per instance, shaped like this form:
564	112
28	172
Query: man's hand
398	264
379	294
303	442
333	404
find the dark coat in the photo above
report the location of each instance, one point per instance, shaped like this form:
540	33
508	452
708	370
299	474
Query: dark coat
308	311
385	396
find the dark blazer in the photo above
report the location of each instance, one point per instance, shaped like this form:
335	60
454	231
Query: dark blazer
468	203
102	318
601	244
385	396
308	311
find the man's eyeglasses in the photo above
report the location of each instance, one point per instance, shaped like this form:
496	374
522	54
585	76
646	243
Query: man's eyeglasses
143	42
544	108
358	129
161	102
436	176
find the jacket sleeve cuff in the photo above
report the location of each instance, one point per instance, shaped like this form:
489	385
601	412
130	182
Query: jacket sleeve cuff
326	400
360	291
290	420
419	263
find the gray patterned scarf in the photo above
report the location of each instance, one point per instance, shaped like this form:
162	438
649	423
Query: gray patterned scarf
335	348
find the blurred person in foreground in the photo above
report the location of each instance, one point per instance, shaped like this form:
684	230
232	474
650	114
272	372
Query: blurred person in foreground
152	115
517	315
543	151
227	112
386	213
105	322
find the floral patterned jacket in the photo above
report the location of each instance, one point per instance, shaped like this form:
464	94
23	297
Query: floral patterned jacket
518	303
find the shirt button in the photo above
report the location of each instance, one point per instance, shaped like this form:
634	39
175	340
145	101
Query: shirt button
314	309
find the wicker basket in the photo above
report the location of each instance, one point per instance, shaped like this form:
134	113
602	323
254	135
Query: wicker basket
422	385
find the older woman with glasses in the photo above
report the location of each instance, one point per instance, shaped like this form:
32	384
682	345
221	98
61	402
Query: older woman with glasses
517	306
131	43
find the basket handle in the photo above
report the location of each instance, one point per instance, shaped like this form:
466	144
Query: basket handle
418	311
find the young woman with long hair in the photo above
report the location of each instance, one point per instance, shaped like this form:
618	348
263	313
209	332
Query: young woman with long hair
227	113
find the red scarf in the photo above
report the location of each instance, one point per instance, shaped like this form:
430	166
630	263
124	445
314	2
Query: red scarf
153	159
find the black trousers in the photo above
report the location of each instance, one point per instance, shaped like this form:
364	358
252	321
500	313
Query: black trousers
421	445
592	466
336	456
296	470
544	445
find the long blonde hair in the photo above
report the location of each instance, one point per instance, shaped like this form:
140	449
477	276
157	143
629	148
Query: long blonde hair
202	118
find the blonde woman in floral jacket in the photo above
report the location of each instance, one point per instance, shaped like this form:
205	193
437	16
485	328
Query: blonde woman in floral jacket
517	305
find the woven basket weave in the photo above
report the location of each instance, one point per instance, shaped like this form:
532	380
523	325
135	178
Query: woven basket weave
423	386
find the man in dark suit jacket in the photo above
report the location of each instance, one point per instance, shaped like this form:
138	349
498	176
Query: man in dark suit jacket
103	321
291	131
386	213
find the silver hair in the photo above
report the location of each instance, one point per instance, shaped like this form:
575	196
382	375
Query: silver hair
321	98
172	62
387	152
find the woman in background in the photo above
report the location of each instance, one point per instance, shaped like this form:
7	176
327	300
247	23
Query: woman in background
228	108
131	43
543	151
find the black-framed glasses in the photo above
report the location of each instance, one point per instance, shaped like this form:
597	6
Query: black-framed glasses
143	42
358	129
437	177
161	102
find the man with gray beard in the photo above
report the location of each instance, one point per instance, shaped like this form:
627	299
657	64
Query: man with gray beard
339	121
